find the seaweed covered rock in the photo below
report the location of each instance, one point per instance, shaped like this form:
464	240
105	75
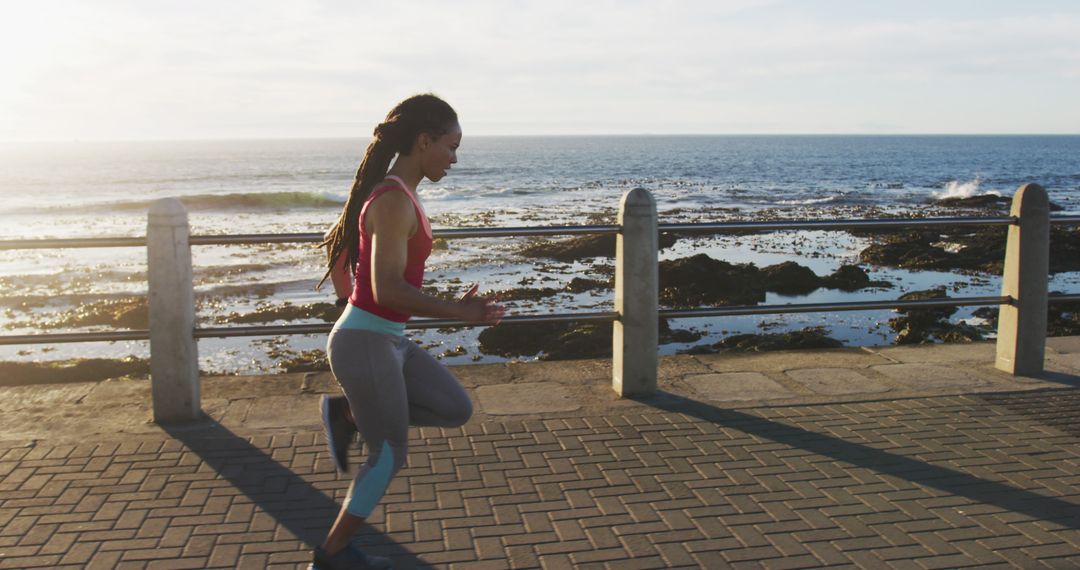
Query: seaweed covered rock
966	248
1064	249
1062	319
552	341
78	370
583	247
980	249
703	281
851	278
790	278
564	341
920	326
805	339
700	280
304	361
983	201
917	326
123	312
669	335
267	313
580	285
525	294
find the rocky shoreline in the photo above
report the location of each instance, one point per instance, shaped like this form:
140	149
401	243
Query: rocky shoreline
686	281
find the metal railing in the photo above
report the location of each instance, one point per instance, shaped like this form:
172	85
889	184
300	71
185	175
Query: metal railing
713	228
600	317
636	310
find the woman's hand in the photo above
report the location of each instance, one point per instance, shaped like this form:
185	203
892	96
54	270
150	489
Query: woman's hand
484	310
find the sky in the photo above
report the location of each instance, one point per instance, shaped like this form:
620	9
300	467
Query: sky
87	70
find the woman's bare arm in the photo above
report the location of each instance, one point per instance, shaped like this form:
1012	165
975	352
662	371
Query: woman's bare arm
390	220
341	279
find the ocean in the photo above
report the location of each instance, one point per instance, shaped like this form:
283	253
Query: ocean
286	186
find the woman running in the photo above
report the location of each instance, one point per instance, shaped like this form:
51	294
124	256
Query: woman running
383	238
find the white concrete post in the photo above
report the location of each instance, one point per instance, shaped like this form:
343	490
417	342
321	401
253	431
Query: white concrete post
1021	340
636	296
174	358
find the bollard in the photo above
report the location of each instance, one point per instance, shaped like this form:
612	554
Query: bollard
174	358
634	362
1021	340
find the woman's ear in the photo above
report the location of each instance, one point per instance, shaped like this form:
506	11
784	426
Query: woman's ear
423	141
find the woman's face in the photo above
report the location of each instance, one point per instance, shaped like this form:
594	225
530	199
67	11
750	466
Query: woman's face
438	154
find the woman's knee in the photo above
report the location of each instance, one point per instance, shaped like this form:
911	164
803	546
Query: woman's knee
460	413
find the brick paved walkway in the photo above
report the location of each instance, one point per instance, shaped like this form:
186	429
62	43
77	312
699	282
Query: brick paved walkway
935	482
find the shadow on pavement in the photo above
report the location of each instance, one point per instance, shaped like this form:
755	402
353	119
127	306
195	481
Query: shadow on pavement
919	472
1061	378
293	502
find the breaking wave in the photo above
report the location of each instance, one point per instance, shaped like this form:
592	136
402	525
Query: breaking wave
957	189
210	202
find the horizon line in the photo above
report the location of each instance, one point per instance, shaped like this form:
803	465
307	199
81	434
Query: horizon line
546	135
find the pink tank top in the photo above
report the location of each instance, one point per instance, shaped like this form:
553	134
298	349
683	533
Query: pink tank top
419	248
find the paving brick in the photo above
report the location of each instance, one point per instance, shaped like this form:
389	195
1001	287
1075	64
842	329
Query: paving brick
58	544
252	562
449	557
224	556
199	546
175	537
60	519
38	535
537	522
599	555
562	547
530	538
18	562
119	542
1059	550
488	547
179	564
79	554
108	535
796	488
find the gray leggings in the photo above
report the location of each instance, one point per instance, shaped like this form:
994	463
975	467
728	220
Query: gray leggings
390	383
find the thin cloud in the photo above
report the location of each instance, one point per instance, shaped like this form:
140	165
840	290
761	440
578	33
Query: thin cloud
246	68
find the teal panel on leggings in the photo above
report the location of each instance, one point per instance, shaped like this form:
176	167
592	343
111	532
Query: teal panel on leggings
367	492
356	318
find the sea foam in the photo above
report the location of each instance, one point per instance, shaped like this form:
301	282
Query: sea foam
957	189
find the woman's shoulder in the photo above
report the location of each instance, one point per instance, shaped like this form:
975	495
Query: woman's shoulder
385	200
385	185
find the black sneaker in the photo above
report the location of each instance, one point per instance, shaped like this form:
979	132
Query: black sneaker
350	558
339	430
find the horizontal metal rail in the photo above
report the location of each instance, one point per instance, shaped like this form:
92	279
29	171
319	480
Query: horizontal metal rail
107	336
457	233
526	231
311	328
1065	220
449	233
780	225
72	243
825	307
602	317
720	227
321	328
244	239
